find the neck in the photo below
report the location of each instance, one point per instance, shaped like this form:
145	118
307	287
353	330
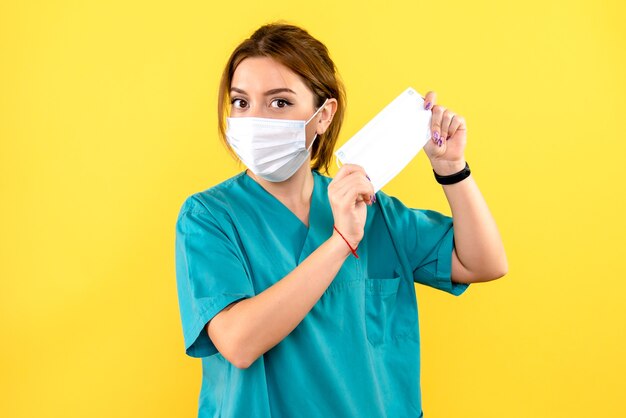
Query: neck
296	190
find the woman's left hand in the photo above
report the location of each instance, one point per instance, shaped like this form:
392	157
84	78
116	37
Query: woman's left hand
446	149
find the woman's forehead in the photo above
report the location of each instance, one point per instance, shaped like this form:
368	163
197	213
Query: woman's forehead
262	74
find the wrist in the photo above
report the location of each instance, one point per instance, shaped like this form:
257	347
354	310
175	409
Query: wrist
446	168
349	244
339	246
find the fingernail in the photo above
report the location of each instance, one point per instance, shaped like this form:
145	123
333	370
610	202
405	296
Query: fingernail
427	107
374	200
368	177
436	135
440	143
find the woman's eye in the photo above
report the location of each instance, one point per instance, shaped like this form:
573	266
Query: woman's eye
280	103
239	103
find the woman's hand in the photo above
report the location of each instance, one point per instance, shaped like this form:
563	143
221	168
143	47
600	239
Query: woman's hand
349	193
446	150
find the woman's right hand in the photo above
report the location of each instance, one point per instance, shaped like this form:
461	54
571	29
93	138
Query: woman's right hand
349	193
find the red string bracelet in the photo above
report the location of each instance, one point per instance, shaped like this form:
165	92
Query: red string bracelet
353	250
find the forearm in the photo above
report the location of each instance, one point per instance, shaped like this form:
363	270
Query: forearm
259	323
478	244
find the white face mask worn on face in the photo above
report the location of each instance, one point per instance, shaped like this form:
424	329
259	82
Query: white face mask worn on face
273	149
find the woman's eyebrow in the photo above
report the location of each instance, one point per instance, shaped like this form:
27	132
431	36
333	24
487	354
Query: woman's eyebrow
236	90
267	93
279	90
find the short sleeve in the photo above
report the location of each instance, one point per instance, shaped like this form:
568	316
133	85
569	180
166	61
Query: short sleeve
427	236
210	274
433	251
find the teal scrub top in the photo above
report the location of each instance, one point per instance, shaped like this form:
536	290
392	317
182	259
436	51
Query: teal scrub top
357	352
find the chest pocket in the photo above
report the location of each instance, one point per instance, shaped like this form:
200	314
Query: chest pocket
390	309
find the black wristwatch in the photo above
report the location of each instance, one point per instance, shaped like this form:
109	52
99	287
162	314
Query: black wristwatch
454	178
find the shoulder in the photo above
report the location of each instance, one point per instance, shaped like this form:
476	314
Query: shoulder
212	201
396	212
386	204
390	204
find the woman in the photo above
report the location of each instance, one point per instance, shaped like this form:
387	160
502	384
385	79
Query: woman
297	290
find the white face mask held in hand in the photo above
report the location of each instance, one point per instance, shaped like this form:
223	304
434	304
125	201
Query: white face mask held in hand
273	149
388	142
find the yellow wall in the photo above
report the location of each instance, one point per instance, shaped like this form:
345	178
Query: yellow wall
107	122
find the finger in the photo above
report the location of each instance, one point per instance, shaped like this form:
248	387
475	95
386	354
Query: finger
445	123
458	123
429	100
349	196
348	169
355	188
435	124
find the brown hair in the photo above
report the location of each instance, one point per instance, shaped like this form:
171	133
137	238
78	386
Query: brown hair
294	48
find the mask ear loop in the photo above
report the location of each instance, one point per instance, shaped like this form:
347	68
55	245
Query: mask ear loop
337	161
307	122
316	112
312	142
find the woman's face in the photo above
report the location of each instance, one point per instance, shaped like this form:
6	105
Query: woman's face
262	87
